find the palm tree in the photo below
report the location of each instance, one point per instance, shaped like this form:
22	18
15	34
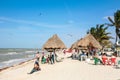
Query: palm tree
107	43
116	23
99	32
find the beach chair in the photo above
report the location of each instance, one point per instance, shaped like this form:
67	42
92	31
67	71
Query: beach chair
43	61
83	57
88	60
113	61
105	61
58	59
96	60
118	64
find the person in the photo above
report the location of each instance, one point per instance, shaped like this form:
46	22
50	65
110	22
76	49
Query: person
52	57
64	51
48	59
37	56
104	59
35	68
43	59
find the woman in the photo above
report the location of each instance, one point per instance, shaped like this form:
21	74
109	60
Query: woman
37	56
35	68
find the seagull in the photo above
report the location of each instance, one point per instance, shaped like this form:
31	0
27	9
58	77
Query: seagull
69	35
40	14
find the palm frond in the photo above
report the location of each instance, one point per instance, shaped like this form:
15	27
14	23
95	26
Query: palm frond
109	24
111	20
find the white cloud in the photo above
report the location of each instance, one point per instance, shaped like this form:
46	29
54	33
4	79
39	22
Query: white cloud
106	17
4	19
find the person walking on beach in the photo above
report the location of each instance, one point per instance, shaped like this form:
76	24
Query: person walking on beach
53	57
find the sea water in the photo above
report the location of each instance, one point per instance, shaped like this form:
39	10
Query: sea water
11	56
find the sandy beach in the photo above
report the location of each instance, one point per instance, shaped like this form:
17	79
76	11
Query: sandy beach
68	69
59	39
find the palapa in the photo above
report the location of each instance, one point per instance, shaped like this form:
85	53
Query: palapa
76	46
54	43
89	40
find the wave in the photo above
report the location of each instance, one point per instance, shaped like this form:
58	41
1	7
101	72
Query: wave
11	53
29	51
10	63
8	53
13	61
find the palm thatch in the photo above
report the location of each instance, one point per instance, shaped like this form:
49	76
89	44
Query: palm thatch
54	43
75	45
89	40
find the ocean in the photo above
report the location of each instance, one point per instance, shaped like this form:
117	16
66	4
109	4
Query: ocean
11	56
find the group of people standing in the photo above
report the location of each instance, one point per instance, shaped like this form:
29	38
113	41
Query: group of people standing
50	59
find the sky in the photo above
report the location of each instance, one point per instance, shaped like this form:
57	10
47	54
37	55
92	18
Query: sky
30	23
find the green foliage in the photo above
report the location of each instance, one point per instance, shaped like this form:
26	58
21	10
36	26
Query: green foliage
115	23
117	19
100	33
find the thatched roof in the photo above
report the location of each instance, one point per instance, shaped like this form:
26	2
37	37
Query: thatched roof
75	45
89	40
54	43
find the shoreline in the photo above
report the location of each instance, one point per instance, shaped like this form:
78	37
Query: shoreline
68	69
27	61
14	65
